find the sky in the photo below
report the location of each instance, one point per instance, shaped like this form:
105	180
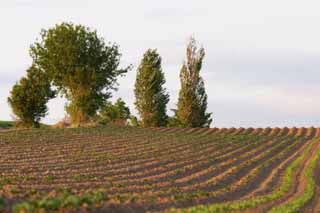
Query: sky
262	64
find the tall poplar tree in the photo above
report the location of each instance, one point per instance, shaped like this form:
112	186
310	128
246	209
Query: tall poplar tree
151	96
192	102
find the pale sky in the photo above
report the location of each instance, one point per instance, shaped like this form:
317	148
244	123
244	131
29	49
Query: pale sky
262	65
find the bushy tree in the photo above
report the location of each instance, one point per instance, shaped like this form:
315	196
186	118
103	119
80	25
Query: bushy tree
133	121
81	65
151	96
192	102
28	97
173	122
115	113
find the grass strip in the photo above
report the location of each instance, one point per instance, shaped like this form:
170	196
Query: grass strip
296	204
250	203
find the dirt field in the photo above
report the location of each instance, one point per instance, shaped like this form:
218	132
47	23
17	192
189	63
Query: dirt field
160	170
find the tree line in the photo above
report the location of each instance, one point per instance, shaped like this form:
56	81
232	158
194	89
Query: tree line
73	61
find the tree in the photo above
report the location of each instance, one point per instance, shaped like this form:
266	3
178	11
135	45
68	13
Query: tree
192	102
80	65
133	121
151	96
173	122
115	113
28	97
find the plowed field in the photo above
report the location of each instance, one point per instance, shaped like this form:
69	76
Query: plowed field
160	170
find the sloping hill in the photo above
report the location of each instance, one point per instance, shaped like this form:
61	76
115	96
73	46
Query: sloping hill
159	169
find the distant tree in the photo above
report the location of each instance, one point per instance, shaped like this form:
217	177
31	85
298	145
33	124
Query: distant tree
192	102
114	113
133	121
28	98
151	96
81	66
173	122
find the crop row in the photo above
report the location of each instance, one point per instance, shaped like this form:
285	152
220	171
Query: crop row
154	169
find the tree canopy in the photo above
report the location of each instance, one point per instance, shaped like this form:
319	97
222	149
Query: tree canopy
192	102
28	97
80	65
115	113
151	96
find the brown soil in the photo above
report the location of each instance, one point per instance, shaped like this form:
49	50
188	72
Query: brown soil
166	163
299	184
274	174
314	205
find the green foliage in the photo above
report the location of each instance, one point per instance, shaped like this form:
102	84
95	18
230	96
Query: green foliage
173	122
151	96
7	124
66	200
296	204
2	204
81	65
114	113
253	202
134	121
28	97
192	102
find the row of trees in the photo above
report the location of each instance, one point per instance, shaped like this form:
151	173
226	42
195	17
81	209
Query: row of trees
71	60
152	97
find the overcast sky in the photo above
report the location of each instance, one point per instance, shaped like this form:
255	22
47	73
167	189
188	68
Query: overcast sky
262	65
